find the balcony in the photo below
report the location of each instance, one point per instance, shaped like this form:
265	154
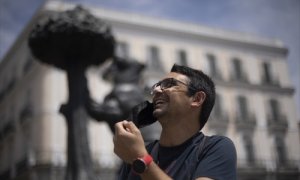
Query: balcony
218	120
277	124
255	166
270	81
216	74
287	166
246	122
242	78
261	169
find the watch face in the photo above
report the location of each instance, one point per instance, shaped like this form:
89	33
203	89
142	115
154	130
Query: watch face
138	166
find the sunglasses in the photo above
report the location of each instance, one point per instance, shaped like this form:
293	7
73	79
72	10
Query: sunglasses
168	83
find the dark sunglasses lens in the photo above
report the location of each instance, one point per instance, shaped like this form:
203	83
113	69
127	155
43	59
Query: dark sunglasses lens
167	83
164	84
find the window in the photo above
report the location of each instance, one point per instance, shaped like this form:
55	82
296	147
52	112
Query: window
154	58
238	73
280	149
274	109
266	73
217	108
212	64
249	149
267	76
214	72
237	69
242	107
122	50
182	58
277	120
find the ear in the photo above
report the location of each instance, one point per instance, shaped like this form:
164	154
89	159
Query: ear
198	98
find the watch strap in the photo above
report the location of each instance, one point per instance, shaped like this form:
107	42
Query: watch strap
147	159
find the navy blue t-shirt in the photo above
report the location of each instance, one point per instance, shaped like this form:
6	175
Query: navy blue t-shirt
214	157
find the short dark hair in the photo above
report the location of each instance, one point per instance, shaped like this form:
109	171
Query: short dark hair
200	81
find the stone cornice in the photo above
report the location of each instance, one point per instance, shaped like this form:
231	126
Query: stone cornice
256	87
181	29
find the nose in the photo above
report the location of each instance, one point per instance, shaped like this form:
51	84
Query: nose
155	90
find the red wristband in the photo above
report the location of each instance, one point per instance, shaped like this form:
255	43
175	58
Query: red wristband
147	159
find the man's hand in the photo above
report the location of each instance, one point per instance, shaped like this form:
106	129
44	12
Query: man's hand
129	145
128	142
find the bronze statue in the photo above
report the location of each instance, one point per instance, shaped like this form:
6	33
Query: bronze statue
126	100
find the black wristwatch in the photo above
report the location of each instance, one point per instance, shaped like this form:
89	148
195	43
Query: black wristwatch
141	164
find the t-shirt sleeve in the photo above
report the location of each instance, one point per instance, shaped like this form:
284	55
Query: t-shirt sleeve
218	161
123	171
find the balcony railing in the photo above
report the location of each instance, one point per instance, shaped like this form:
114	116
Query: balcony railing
287	166
218	120
244	163
278	123
216	75
245	122
271	165
243	78
269	82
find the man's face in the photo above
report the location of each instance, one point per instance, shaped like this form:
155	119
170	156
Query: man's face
170	98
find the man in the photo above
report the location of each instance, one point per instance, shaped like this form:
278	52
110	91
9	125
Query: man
182	102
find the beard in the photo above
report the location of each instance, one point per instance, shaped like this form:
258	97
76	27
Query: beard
160	111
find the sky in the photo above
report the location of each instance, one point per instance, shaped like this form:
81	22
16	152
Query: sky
275	19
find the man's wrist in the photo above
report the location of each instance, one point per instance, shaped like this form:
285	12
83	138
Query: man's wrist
140	165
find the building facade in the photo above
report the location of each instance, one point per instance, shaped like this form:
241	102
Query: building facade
255	104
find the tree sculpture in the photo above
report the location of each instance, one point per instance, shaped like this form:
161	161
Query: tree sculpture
74	40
